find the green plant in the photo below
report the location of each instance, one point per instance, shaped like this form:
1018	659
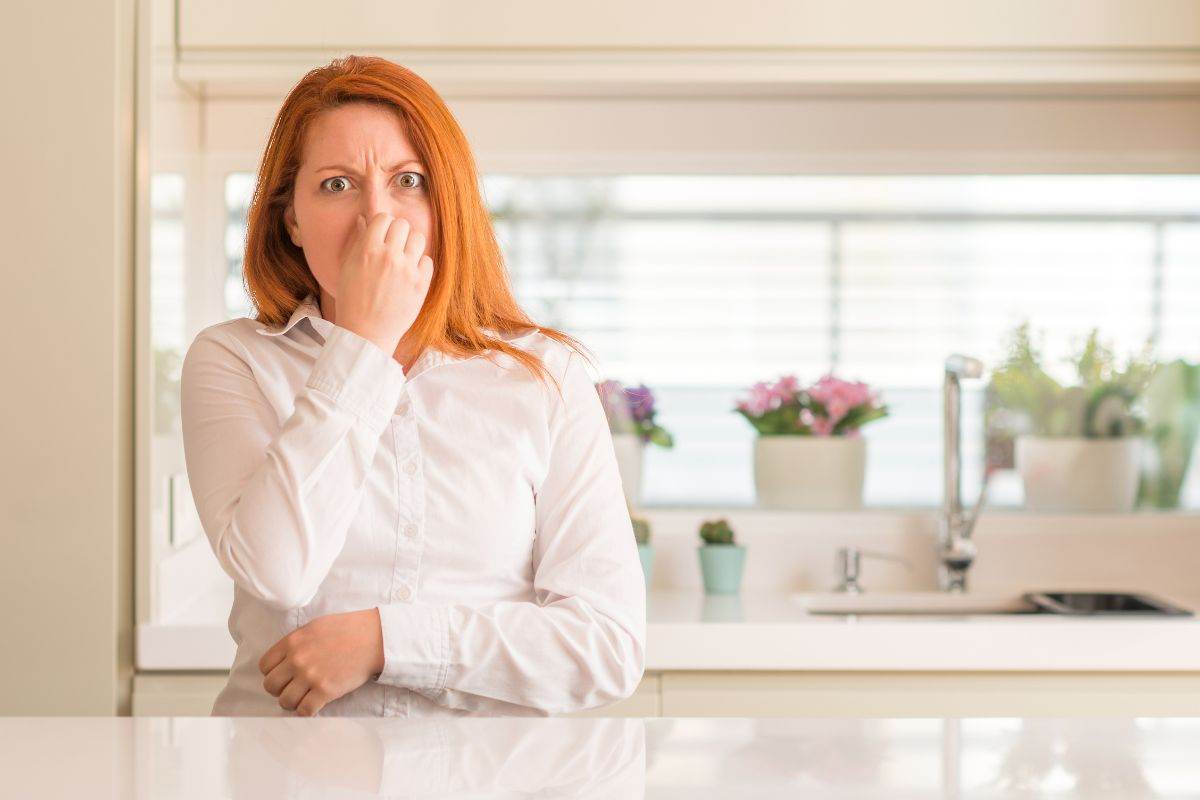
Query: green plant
641	530
1103	403
1172	402
716	532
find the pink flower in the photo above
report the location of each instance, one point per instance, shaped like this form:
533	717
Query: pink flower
787	387
764	397
839	398
760	400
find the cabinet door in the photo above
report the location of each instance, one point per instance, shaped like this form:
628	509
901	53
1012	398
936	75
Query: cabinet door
184	695
927	694
644	702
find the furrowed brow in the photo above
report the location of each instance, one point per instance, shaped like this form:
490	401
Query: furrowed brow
344	168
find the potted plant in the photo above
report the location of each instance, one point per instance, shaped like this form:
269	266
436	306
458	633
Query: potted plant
1077	446
1172	403
641	534
631	412
721	559
809	453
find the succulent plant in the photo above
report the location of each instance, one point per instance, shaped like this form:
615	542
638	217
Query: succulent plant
716	532
641	529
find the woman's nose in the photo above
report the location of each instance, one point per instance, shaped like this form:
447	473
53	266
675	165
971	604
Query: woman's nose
376	199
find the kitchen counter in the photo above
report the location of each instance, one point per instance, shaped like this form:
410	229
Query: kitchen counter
688	630
626	759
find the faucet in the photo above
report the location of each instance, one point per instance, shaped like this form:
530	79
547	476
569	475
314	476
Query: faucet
956	551
849	566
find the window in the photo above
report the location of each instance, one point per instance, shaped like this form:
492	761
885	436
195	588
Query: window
699	285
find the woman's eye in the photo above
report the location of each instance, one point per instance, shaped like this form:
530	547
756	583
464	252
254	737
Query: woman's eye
411	180
339	180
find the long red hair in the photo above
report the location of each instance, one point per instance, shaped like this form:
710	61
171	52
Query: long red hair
469	291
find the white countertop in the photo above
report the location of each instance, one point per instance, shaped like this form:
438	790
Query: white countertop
624	759
691	631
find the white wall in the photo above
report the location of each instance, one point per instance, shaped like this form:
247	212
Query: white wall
66	431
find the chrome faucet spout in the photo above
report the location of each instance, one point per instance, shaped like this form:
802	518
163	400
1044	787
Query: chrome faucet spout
955	548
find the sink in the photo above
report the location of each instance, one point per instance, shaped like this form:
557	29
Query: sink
916	603
1105	603
1109	604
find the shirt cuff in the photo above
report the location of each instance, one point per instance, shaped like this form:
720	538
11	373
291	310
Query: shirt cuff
358	375
416	645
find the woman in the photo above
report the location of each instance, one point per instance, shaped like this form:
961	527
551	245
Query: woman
412	485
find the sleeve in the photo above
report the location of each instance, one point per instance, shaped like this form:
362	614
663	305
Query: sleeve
275	500
581	643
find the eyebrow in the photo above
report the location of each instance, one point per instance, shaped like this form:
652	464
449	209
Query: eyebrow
344	168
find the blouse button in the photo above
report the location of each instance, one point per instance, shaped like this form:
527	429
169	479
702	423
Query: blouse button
410	468
403	593
410	530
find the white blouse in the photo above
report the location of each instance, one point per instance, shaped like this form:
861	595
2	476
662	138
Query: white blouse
479	511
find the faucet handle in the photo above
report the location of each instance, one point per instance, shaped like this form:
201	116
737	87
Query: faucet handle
849	565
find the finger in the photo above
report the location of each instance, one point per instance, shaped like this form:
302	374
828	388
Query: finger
312	702
426	264
278	678
415	246
397	234
293	693
377	226
272	657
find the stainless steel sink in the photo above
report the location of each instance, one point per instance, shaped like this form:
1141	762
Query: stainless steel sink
1106	604
1109	604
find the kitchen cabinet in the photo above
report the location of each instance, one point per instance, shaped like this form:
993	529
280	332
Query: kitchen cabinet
682	693
546	46
928	694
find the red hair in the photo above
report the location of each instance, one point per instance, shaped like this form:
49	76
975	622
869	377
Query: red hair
469	291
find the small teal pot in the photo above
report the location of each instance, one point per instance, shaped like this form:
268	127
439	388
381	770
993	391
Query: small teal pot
721	565
646	554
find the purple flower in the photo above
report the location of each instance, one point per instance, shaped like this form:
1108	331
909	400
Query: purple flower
641	402
616	404
631	410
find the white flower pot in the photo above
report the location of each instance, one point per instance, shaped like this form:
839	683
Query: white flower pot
809	472
1077	474
629	448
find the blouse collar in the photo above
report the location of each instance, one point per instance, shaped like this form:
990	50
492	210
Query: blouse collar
310	309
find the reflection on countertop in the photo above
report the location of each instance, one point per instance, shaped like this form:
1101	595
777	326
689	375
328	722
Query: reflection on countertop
247	757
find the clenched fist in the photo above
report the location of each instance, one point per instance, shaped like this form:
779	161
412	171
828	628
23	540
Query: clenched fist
319	662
